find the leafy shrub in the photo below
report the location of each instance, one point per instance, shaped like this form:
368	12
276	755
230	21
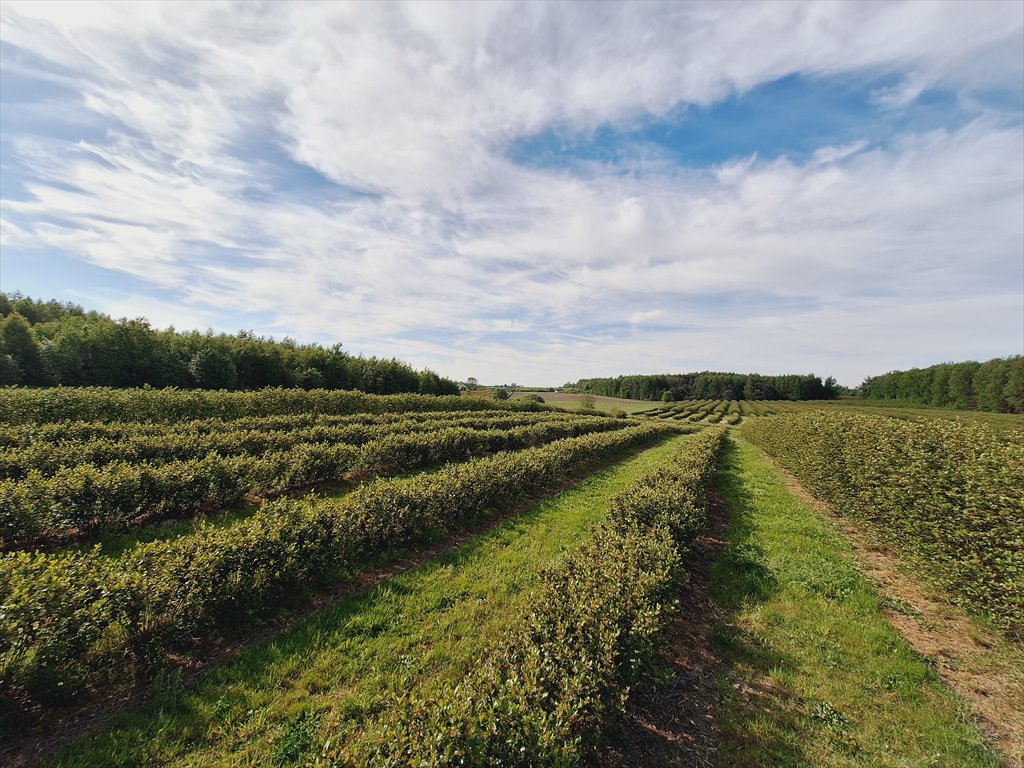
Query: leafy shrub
70	618
541	698
45	406
947	491
83	498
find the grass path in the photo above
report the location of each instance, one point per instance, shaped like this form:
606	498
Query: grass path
809	672
276	703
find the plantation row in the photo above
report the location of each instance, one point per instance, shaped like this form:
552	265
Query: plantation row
22	435
706	411
566	667
953	493
180	443
78	500
75	619
47	406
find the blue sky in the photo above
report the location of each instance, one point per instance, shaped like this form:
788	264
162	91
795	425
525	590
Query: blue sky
529	192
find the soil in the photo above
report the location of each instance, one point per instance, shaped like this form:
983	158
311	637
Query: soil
669	721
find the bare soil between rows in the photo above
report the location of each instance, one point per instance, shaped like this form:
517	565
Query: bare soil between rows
670	721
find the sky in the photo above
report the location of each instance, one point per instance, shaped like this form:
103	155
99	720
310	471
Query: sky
529	192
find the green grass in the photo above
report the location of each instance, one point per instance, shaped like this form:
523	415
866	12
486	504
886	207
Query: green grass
329	675
811	674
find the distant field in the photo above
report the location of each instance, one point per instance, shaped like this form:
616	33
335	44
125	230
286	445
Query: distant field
901	408
734	412
601	403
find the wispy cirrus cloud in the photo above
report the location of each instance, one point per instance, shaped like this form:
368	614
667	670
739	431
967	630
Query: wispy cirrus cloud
357	172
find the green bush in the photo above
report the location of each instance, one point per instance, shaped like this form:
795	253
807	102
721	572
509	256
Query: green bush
71	619
950	492
82	499
45	406
541	698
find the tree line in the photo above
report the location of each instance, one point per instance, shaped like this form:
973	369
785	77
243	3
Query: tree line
996	385
710	385
50	343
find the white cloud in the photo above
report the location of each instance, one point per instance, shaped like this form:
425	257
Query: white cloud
827	155
417	103
647	316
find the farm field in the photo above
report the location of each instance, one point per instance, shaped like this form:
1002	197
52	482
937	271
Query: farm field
726	411
495	384
288	578
601	402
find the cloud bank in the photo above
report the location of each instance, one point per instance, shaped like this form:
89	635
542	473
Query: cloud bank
356	172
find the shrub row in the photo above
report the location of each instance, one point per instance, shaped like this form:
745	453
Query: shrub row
565	668
41	406
174	444
82	499
950	492
20	435
71	619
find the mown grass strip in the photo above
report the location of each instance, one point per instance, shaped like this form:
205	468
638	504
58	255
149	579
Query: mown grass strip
811	673
325	678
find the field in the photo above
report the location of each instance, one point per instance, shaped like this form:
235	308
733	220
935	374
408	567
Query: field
332	578
601	403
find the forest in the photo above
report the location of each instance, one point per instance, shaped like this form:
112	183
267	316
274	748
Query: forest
996	385
708	385
51	343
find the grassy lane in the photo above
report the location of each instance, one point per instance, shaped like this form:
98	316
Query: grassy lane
810	672
274	703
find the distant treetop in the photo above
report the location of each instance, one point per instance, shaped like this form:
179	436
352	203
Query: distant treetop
996	385
48	343
709	385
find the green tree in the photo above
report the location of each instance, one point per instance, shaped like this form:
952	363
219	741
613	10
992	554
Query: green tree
212	369
1013	392
939	394
961	385
309	378
587	402
667	396
500	394
990	384
16	340
10	371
